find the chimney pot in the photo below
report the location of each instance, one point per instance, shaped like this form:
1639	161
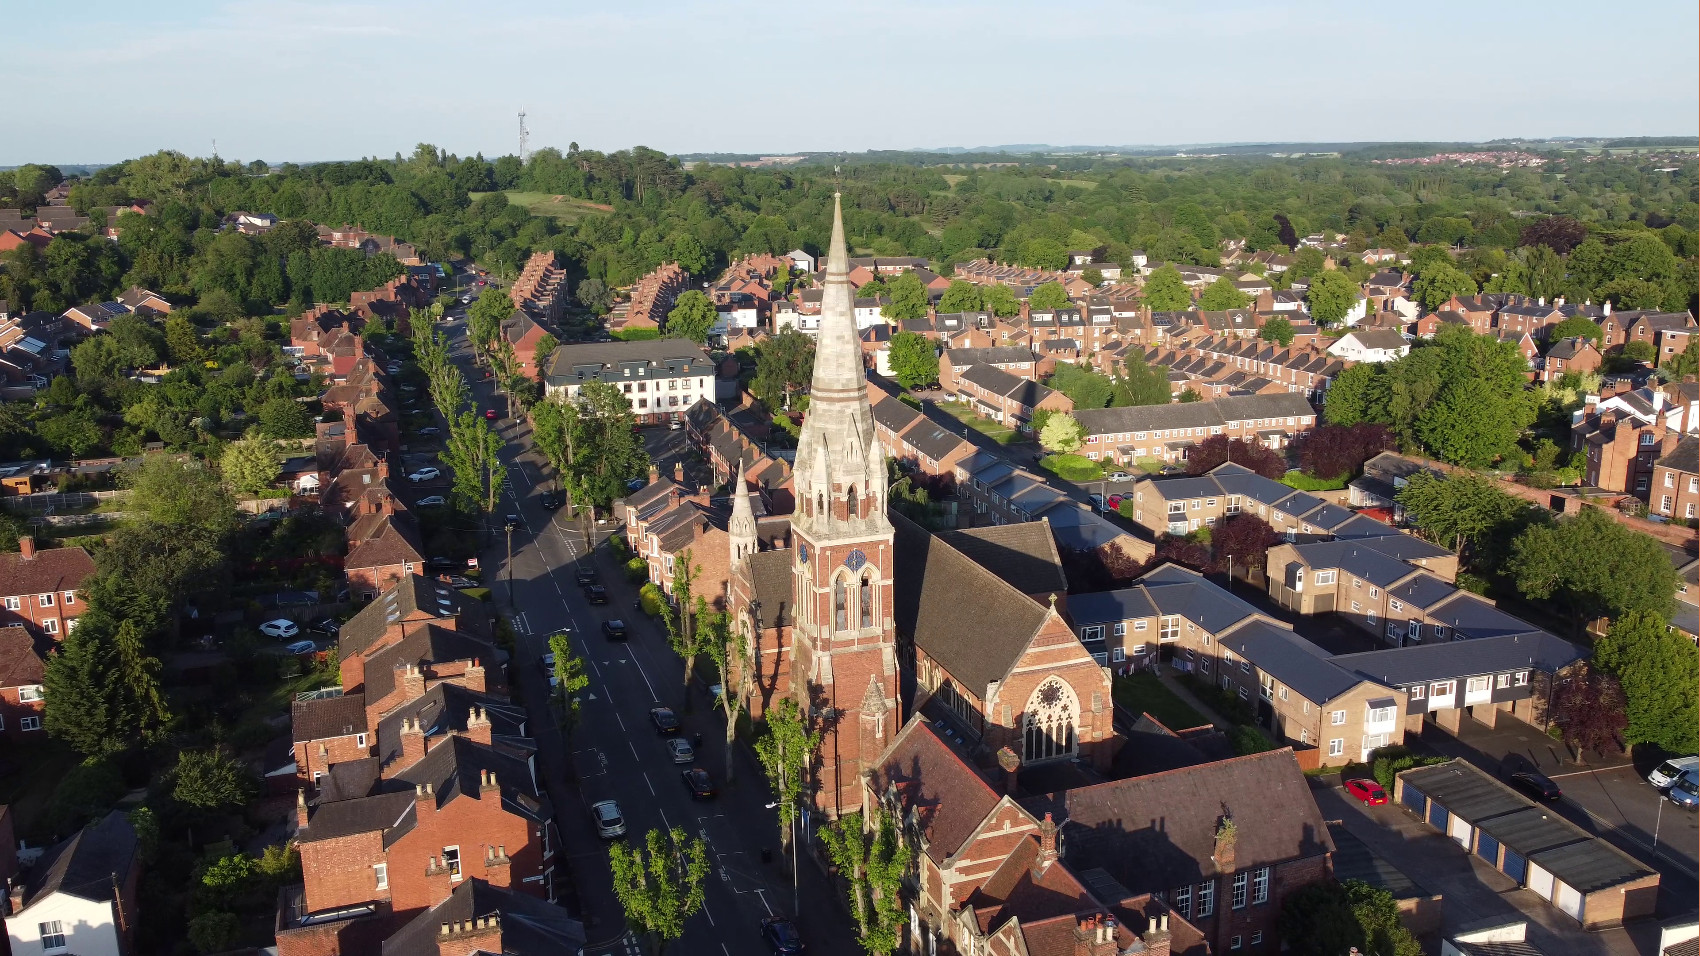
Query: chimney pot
445	929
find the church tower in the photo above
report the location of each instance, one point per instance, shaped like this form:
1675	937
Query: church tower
844	648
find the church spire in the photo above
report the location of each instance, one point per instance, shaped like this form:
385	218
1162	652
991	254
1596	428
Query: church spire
742	528
838	356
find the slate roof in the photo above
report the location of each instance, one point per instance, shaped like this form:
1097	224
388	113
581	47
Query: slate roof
933	440
528	926
429	643
977	641
1385	339
1106	607
1157	832
1422	663
993	355
948	798
771	574
1351	556
894	414
1176	590
444	709
1290	659
320	717
412	595
1685	457
1024	555
83	864
50	569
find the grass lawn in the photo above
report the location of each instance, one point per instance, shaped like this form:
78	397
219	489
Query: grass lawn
1303	482
565	208
1001	434
1072	467
1143	693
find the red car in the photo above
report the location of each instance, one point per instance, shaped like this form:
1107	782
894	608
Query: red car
490	414
1368	791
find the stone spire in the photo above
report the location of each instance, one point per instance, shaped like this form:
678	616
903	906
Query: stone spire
840	470
742	528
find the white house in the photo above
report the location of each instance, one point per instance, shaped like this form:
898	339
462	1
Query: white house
801	261
80	897
1370	345
867	313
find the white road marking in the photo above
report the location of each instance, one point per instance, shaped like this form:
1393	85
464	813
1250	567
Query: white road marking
646	781
762	895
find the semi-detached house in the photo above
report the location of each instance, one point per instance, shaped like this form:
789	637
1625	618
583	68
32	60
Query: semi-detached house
39	588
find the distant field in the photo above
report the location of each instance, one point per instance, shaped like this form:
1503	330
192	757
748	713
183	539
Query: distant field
954	178
1082	183
564	208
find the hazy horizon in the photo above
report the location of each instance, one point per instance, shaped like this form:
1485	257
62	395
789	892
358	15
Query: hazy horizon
309	80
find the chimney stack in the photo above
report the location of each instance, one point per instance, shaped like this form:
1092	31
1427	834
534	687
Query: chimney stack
412	682
300	813
679	471
1010	762
473	677
26	547
1047	842
478	726
412	743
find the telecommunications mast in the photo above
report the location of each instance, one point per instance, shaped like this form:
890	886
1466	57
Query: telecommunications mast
524	139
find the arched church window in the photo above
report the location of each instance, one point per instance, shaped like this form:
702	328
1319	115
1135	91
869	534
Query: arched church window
840	606
850	503
1048	730
867	600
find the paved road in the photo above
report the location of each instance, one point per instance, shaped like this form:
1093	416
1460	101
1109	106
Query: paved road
615	753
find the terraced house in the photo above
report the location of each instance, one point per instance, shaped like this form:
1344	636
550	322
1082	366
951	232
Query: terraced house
1183	505
1165	432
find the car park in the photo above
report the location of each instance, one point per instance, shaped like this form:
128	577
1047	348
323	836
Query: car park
614	630
301	647
610	823
781	936
281	628
665	721
330	627
699	783
1537	785
1370	792
432	501
681	750
427	473
596	594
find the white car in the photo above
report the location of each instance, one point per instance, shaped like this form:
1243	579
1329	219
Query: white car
302	647
282	628
1119	476
681	750
609	822
432	501
425	474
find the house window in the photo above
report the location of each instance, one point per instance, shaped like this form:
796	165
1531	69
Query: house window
1336	747
70	597
1117	655
1370	617
1204	665
1337	718
1183	902
1502	681
1139	625
1259	892
1093	632
360	741
381	875
1257	938
1417	692
1395	605
1374	593
1476	685
29	723
1323	577
51	625
1240	891
1304	736
1206	898
1444	688
29	692
1234	943
1522	679
52	936
1357	583
1244	694
451	862
1283	693
45	600
1440	632
1393	629
1120	629
12	604
1170	628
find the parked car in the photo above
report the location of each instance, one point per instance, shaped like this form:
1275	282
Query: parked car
1370	792
597	594
512	523
681	750
430	430
550	500
1685	791
431	501
1119	476
281	628
446	564
675	425
330	627
1097	501
781	936
636	483
609	822
665	721
489	414
459	581
1666	773
699	783
427	473
614	630
1537	785
586	576
301	647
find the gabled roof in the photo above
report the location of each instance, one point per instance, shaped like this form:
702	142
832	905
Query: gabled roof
771	576
22	660
445	708
1685	457
52	569
414	597
1023	555
525	925
946	796
318	718
1176	590
427	644
1422	663
1290	659
1355	558
83	865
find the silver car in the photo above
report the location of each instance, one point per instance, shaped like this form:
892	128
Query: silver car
609	822
681	750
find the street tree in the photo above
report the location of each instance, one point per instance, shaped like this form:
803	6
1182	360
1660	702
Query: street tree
1048	297
692	317
1331	295
1221	295
786	748
485	316
250	465
473	453
1593	567
1659	672
873	863
546	347
607	451
907	299
913	360
1062	433
553	424
660	885
685	618
570	679
727	647
1166	291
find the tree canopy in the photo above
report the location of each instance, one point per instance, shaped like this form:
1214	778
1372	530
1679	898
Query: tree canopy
913	360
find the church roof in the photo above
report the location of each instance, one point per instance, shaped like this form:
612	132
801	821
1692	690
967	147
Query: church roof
1024	555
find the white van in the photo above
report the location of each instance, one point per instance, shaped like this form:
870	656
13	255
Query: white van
1666	773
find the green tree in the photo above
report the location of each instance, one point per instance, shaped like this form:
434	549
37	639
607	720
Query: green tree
1000	300
728	648
961	296
82	704
692	317
786	748
1436	286
570	679
907	298
1277	330
593	294
1327	919
1043	254
1593	567
607	450
1047	297
179	493
485	316
546	347
283	417
913	360
210	779
1141	383
1062	433
1092	274
473	453
785	364
1574	326
1166	291
1459	511
183	342
553	423
215	931
661	884
1467	425
1331	295
684	618
250	465
871	289
1222	295
1084	387
1684	363
873	863
1659	672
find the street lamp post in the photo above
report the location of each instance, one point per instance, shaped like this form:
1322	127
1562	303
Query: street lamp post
1658	820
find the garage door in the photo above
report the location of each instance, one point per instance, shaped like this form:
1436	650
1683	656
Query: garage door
1437	816
1488	849
1459	829
1413	798
1569	901
1515	866
1540	881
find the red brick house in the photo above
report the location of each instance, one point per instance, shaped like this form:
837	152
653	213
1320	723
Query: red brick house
22	670
481	917
523	332
1676	481
39	588
1004	398
384	546
1570	355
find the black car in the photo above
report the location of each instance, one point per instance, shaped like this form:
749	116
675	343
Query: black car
1537	785
330	627
781	936
446	564
699	783
586	576
597	594
615	630
512	523
665	721
551	500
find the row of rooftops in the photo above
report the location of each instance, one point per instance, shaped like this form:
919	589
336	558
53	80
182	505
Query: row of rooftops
577	363
1221	412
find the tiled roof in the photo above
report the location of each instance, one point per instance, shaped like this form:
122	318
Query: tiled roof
1024	555
84	865
525	925
53	569
445	709
427	644
21	661
408	598
320	717
771	575
947	797
1685	457
1421	663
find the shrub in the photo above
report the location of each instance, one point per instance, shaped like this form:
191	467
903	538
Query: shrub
637	569
1302	482
1249	740
1388	762
617	544
651	600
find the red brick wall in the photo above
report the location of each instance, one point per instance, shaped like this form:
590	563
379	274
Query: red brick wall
338	872
337	750
473	825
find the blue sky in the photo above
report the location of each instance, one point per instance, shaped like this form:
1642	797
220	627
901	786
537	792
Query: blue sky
307	79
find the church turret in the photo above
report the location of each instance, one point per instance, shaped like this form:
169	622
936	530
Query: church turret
742	528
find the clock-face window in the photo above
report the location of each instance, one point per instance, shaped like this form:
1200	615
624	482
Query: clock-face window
855	560
803	553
